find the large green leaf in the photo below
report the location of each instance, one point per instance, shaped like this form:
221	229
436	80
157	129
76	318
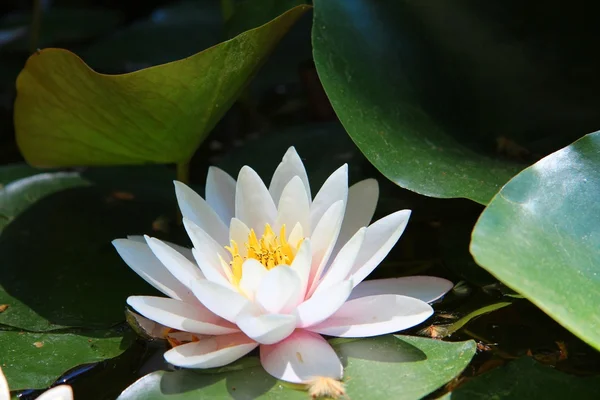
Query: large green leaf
58	266
36	360
375	368
527	379
541	234
67	114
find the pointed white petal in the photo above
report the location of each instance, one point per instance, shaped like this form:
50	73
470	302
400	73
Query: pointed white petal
4	391
296	235
224	302
211	352
179	266
323	304
195	208
424	288
333	190
379	240
220	193
142	260
61	392
293	206
375	315
362	201
300	358
253	202
238	232
322	242
341	266
213	273
291	165
279	290
253	273
184	251
301	266
266	328
176	314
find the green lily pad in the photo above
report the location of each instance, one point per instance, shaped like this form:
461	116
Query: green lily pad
527	379
540	236
66	114
58	266
375	368
36	360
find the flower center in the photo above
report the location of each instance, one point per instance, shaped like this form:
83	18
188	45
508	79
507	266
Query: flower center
270	250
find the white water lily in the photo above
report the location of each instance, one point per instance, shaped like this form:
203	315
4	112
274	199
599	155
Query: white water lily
277	268
61	392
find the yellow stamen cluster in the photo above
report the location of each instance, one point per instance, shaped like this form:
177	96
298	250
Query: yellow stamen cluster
270	250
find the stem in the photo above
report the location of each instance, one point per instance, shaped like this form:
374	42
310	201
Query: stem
36	21
183	172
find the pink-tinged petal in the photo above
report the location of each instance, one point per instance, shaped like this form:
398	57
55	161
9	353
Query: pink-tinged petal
211	352
4	390
333	190
195	208
142	260
424	288
323	304
180	267
279	290
301	266
238	233
253	203
224	302
379	240
253	273
341	266
182	316
300	358
293	206
184	251
291	165
220	193
375	315
61	392
362	201
322	240
266	328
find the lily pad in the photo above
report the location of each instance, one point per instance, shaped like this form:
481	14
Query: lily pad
36	360
67	114
375	368
540	236
527	379
58	266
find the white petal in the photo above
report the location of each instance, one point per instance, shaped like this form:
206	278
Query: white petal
424	288
322	242
333	190
296	235
323	304
211	352
61	392
195	208
220	193
291	165
375	315
214	273
362	201
238	232
253	203
279	290
341	266
142	260
293	206
176	314
301	266
379	240
179	266
252	274
300	358
4	391
224	302
266	328
184	251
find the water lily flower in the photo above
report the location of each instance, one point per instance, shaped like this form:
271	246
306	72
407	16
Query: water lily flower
61	392
276	268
